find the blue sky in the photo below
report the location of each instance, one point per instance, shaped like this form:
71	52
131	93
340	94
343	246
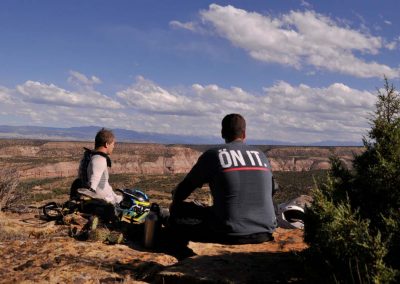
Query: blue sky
299	71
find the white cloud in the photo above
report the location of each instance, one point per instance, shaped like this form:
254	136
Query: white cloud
192	26
41	93
282	111
220	100
145	95
5	96
334	112
391	45
186	26
79	79
336	98
305	3
299	38
388	22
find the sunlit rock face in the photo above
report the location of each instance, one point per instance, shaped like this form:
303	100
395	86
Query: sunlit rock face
61	159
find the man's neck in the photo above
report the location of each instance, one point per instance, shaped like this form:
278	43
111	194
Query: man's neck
235	140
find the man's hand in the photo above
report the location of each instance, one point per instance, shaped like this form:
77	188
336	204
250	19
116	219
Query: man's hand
172	207
175	207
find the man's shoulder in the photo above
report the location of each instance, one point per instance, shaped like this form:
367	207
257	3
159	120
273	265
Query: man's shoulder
214	150
98	158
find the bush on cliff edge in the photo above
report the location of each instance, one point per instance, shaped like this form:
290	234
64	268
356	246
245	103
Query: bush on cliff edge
9	192
354	223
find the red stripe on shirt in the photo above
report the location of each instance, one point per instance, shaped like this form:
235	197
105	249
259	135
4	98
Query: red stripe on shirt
246	169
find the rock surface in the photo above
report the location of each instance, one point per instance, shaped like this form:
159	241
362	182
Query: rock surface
271	262
31	251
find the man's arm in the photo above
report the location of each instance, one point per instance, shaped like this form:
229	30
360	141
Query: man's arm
183	190
96	169
200	174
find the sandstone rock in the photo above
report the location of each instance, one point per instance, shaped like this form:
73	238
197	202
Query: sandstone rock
258	263
61	259
28	151
61	159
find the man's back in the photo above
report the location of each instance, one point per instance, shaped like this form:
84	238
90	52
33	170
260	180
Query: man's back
242	190
240	180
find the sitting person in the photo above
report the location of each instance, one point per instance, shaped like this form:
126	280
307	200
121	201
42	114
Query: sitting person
93	177
241	184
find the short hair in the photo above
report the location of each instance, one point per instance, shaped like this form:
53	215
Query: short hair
233	126
103	136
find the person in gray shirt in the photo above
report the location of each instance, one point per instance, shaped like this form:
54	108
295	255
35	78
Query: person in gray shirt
241	184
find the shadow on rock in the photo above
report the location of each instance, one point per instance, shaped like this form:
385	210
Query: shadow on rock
255	267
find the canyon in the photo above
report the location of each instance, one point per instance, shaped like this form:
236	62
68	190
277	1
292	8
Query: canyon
47	159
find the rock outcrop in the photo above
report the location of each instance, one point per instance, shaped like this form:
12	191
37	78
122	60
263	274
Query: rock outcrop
35	252
309	158
271	262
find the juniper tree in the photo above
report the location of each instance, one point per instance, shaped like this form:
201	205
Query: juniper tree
354	220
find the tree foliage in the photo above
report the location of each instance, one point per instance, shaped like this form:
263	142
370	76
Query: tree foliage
354	222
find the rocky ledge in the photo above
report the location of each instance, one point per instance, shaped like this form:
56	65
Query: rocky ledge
42	252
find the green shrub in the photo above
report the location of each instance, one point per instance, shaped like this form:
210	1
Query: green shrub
353	223
338	235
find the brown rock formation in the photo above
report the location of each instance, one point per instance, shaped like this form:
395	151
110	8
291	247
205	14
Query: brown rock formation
271	262
42	252
61	159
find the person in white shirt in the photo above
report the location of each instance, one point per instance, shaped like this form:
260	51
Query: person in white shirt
97	170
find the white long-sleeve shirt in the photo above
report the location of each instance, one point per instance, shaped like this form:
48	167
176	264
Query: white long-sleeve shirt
98	179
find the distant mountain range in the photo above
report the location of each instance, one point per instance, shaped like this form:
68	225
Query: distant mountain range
87	133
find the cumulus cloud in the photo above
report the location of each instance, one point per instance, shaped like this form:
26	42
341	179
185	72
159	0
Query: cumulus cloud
282	112
147	96
41	93
299	38
334	109
220	100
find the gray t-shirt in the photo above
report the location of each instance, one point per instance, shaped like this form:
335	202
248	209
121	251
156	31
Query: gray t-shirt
240	179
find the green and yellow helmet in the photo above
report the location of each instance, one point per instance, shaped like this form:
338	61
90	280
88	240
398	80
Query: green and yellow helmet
135	205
